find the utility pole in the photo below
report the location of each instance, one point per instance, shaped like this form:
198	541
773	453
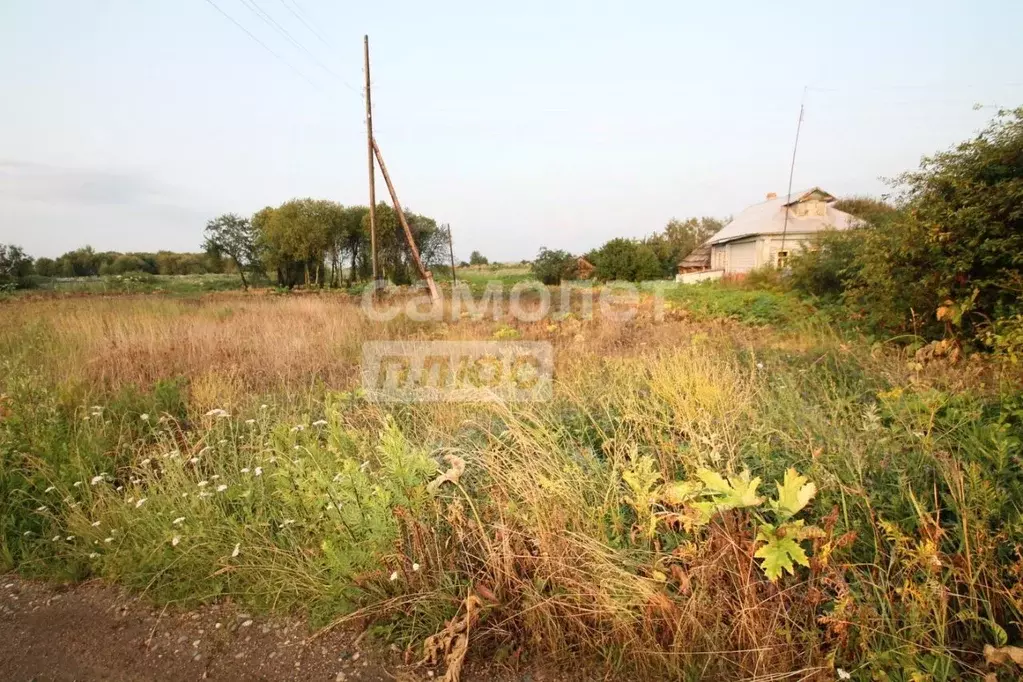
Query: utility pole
451	250
372	169
792	169
424	273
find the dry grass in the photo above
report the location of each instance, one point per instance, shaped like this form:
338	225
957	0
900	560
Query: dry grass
540	527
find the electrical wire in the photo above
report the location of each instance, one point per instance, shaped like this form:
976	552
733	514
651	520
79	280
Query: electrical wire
260	13
297	13
262	44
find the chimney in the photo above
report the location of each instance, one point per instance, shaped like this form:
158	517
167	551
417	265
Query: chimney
772	195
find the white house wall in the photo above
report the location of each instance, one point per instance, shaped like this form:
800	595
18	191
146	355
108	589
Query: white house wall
766	251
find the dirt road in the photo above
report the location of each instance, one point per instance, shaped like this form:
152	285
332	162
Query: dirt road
96	632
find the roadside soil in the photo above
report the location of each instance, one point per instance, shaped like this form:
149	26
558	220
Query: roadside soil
92	631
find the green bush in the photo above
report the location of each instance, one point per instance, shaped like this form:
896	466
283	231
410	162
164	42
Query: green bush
626	260
950	258
551	267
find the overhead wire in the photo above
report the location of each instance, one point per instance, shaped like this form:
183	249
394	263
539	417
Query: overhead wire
262	44
297	13
265	17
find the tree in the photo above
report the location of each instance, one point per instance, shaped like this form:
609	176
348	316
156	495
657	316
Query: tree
477	258
234	236
46	267
627	260
949	257
551	267
15	265
679	238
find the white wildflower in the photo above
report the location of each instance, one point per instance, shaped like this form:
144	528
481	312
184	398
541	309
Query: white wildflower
96	479
250	422
142	501
85	419
288	522
41	509
108	540
203	484
259	471
320	422
194	460
218	413
144	417
214	477
50	489
70	538
394	576
184	494
245	470
175	540
145	461
93	555
843	675
178	521
119	488
78	483
222	441
760	365
415	568
221	488
204	494
263	407
56	538
296	429
237	550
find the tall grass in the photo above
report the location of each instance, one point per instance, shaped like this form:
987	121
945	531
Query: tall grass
197	450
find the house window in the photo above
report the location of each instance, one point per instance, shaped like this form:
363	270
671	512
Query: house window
783	259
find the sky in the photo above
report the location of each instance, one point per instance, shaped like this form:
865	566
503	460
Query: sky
127	124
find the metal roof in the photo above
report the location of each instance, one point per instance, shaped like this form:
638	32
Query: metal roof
768	217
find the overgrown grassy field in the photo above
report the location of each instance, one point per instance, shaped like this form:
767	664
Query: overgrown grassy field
653	515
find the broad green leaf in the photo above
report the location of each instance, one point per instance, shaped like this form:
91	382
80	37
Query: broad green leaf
678	493
713	480
736	492
793	494
778	555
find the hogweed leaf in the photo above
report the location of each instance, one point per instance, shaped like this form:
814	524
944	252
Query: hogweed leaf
778	554
678	493
793	494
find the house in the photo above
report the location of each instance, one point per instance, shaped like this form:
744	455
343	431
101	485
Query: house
764	234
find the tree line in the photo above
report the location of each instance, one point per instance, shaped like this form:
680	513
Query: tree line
654	257
311	242
18	268
315	242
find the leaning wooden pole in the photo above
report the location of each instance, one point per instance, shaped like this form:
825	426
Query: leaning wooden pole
451	250
424	273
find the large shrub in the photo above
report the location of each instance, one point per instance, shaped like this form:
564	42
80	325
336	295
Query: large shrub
626	260
950	258
553	266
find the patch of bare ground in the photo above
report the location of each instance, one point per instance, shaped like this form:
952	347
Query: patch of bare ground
92	631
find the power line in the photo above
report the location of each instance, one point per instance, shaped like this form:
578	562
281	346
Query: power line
254	7
298	15
261	43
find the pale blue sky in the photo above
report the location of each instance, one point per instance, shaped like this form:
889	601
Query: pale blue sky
125	124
